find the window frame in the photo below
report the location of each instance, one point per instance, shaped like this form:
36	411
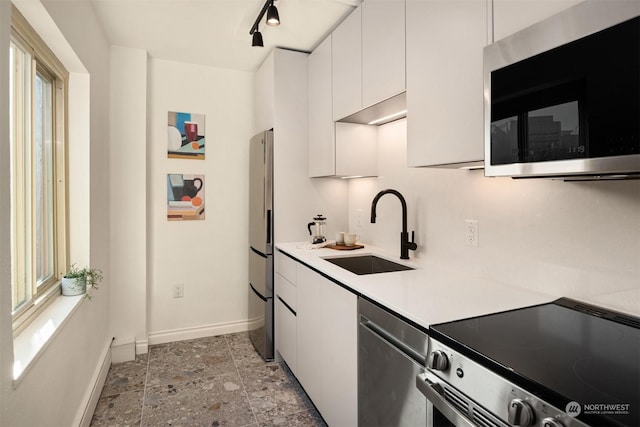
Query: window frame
45	63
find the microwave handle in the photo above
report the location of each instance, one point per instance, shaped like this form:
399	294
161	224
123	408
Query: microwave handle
429	385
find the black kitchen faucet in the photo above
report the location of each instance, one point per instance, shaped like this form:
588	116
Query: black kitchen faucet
405	244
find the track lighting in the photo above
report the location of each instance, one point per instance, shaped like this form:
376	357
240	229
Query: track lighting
257	39
273	19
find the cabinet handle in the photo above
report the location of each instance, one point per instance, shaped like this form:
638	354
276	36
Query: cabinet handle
392	340
287	305
431	388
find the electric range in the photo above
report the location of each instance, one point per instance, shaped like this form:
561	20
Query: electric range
564	363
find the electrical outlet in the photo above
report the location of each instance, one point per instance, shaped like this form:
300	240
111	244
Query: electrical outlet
359	217
471	232
178	290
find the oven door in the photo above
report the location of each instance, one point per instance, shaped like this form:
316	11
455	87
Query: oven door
435	418
449	407
439	411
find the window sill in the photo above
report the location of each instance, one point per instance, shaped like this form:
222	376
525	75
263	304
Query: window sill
31	342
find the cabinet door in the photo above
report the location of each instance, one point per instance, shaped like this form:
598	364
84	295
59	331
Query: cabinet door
321	141
286	267
327	349
310	327
286	334
510	16
356	150
340	353
347	66
383	50
445	81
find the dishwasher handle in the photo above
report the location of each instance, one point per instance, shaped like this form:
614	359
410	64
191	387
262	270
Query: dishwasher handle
429	385
392	340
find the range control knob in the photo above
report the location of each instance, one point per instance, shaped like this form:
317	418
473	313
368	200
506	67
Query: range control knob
438	361
551	422
520	413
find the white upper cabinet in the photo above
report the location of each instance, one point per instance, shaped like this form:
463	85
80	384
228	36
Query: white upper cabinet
356	150
321	139
335	149
368	56
347	66
445	81
383	50
510	16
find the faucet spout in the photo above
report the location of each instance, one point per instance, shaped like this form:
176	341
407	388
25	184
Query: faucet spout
405	244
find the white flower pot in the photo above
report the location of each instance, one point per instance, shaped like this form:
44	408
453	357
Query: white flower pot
73	286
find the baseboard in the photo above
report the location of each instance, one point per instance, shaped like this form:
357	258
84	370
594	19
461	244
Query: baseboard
201	331
85	414
123	350
142	347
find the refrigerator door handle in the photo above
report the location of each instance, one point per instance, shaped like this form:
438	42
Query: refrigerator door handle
257	252
257	293
268	226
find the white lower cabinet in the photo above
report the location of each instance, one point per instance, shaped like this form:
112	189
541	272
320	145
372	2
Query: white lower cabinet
327	346
285	334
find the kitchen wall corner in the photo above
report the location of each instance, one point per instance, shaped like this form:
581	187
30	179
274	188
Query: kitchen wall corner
128	192
208	257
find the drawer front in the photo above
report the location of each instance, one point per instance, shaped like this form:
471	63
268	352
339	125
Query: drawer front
286	267
286	330
286	291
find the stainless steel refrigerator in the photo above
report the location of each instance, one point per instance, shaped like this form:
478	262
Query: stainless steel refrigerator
261	244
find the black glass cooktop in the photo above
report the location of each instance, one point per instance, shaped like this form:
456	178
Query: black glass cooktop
563	351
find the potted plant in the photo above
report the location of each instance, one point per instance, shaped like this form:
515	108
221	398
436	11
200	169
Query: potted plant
76	281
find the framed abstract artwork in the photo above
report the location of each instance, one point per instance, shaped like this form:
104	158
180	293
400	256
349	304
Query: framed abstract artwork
185	197
185	136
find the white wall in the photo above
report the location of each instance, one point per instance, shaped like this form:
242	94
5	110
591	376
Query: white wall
61	379
128	196
209	257
579	240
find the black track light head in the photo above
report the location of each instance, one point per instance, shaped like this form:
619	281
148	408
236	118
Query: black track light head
257	39
273	18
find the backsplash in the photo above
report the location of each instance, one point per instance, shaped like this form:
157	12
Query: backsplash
573	239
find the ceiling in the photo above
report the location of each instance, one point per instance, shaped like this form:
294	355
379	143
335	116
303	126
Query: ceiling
216	32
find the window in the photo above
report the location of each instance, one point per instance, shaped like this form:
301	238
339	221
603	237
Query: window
38	177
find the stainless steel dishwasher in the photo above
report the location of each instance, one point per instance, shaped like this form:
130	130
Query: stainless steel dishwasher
391	352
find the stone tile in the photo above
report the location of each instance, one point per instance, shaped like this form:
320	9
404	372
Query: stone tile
268	376
126	376
243	352
218	401
271	394
183	361
298	388
303	418
123	409
215	381
238	339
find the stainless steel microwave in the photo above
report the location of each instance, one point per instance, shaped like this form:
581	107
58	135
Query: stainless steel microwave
562	97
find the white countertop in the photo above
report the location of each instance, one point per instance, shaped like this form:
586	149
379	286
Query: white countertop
428	295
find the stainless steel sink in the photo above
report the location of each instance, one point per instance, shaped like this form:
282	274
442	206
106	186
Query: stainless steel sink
367	264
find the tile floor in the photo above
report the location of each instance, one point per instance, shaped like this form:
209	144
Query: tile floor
214	381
